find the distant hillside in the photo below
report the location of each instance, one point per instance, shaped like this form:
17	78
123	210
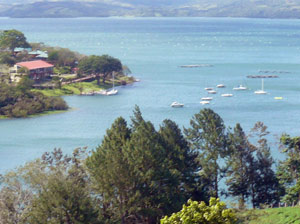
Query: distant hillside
97	8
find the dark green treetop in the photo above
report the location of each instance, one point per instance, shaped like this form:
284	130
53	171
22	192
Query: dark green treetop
11	39
207	135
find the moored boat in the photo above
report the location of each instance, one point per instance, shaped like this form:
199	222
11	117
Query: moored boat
176	104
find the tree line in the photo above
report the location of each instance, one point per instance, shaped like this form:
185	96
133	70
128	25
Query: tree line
139	175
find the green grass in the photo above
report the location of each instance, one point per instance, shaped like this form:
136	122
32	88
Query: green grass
289	215
77	88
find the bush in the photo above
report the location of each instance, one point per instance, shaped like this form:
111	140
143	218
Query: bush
196	213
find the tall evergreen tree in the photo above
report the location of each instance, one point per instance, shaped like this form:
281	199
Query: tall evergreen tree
182	163
289	169
141	174
109	169
207	134
267	189
241	170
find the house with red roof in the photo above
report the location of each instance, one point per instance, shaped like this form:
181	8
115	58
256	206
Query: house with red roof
37	70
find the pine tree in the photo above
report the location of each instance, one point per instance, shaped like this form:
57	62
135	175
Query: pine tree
182	163
289	169
109	169
241	170
207	134
266	189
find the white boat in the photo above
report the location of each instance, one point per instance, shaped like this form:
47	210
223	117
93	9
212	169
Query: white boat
212	92
101	92
209	88
206	98
227	95
241	87
261	91
87	94
221	86
176	104
203	102
113	91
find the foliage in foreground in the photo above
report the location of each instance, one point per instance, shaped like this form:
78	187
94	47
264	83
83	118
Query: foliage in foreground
139	174
198	212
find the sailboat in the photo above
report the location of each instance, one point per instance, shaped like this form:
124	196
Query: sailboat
261	92
113	91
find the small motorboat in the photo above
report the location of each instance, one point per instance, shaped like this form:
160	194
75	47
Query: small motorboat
176	104
209	88
206	98
221	86
241	87
212	92
227	95
203	102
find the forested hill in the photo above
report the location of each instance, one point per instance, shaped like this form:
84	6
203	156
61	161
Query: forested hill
203	8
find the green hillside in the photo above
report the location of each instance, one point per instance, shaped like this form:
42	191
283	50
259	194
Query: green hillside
289	215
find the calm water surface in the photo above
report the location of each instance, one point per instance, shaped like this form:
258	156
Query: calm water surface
154	49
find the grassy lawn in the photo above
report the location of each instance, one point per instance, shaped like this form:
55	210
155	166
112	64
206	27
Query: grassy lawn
77	88
289	215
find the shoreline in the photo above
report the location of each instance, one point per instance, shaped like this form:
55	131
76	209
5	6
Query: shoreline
45	113
81	87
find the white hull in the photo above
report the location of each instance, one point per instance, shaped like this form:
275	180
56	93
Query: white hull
208	88
111	92
212	92
206	98
260	92
227	95
221	86
203	102
176	104
240	88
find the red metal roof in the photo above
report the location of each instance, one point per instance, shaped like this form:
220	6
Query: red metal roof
35	64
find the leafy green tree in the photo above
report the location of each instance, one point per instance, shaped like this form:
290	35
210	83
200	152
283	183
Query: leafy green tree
15	198
207	134
100	66
62	190
241	169
6	58
289	169
12	39
25	84
196	213
62	57
53	189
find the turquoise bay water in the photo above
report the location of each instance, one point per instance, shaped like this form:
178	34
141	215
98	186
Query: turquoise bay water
154	49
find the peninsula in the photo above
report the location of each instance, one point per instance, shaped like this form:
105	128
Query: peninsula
33	75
